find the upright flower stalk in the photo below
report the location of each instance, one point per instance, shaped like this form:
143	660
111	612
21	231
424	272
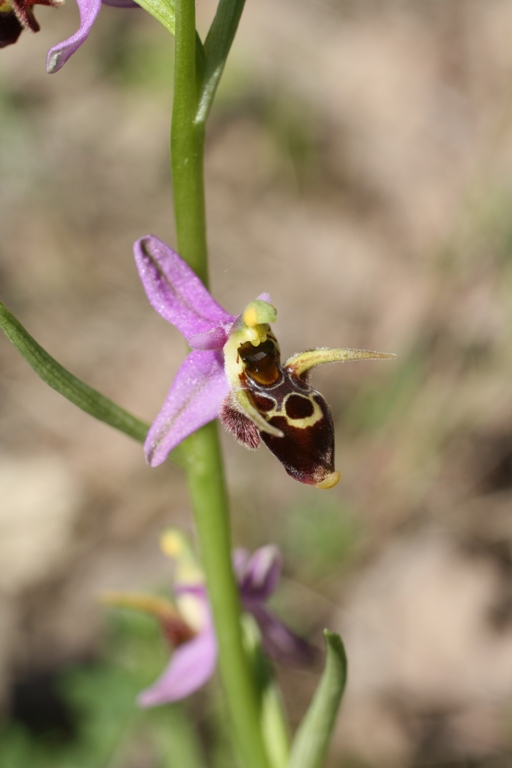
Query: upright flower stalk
205	472
187	144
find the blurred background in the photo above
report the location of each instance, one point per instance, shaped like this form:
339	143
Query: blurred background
359	168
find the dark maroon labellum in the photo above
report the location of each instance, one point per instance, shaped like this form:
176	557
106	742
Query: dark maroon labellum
287	402
17	16
10	28
307	450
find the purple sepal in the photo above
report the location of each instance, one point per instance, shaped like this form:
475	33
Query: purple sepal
59	54
258	575
191	666
280	643
89	9
193	400
176	292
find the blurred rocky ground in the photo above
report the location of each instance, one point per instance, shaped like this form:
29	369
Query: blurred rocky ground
359	168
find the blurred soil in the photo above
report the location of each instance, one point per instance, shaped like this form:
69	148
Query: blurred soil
359	167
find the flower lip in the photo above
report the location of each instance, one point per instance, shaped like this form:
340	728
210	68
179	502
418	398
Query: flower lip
17	15
10	28
330	481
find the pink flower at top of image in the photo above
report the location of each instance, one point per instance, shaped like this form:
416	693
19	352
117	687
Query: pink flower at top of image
17	15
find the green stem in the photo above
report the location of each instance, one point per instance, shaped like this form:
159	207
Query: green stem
205	470
187	146
210	504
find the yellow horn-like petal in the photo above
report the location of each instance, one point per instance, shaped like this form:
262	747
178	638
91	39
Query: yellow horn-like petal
304	361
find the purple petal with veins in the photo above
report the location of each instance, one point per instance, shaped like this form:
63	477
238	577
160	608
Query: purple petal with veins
193	400
176	292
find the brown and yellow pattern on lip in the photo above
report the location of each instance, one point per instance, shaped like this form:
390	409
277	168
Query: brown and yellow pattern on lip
276	403
305	445
307	449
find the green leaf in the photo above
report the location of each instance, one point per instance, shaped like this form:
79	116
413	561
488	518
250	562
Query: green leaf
314	734
216	49
162	11
73	389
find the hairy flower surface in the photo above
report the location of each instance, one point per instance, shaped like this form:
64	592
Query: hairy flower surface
17	15
234	371
188	624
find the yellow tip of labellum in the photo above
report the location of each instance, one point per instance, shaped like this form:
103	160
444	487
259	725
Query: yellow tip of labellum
330	481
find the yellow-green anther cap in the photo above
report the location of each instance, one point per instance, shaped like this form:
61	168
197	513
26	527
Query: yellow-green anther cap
259	312
253	324
175	545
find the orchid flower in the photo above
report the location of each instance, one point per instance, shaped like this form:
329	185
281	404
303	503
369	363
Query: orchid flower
233	372
188	625
16	15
